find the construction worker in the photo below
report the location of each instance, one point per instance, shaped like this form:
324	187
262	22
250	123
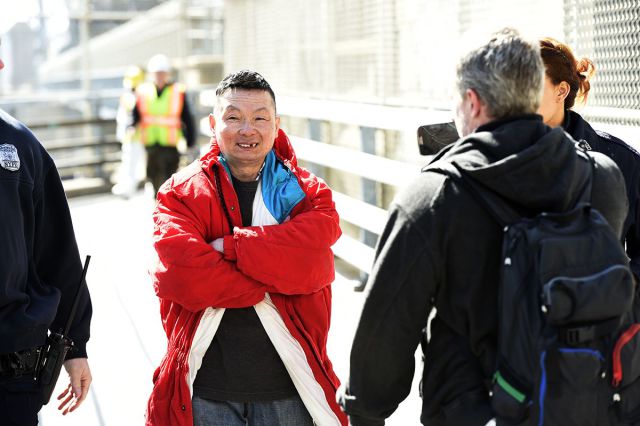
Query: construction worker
130	173
162	116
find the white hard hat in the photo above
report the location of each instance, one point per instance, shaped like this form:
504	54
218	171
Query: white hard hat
159	63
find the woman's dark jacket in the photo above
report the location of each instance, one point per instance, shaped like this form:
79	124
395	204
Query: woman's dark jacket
628	161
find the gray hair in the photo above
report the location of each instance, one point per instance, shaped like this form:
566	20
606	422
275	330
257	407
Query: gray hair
507	73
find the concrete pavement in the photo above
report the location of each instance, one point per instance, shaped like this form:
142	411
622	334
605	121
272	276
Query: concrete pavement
127	340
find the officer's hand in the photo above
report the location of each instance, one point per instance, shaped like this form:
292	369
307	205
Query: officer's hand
78	388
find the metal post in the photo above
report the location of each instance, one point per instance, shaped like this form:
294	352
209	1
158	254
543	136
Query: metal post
369	194
315	134
42	39
85	39
183	51
84	43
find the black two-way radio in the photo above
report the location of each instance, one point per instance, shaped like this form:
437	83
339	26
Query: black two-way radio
57	346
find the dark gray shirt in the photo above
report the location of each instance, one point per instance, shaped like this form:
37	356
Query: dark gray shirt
241	363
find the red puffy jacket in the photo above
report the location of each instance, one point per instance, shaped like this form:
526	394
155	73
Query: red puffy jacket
291	261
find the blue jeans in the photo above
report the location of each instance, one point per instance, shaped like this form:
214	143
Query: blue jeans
282	412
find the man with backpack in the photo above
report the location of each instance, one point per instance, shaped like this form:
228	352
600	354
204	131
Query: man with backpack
513	179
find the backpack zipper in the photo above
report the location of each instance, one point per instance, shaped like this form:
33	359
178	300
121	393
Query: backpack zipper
623	340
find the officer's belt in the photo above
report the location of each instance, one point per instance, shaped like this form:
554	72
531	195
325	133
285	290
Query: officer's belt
19	363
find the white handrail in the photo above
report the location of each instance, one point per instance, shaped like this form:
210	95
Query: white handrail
360	114
370	166
360	213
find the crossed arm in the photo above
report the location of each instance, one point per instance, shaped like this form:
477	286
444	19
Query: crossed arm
291	258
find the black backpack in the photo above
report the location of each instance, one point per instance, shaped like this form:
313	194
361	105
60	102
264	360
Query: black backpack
568	341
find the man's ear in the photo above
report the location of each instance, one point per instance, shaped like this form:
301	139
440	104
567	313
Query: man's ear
562	91
277	124
474	102
212	122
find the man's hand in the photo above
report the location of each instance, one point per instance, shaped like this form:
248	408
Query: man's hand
78	388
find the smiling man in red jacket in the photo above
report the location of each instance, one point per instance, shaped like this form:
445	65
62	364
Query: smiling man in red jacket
244	270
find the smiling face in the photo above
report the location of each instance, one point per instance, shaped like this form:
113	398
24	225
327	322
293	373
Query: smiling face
245	125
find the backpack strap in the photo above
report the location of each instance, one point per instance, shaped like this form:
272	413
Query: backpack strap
499	209
587	191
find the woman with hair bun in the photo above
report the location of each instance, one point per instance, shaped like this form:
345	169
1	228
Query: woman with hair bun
567	81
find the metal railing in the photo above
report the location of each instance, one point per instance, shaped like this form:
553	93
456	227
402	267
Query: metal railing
85	151
365	213
358	212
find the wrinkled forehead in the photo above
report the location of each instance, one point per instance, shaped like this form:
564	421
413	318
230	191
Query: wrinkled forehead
239	97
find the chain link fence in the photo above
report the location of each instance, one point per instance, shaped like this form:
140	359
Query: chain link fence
608	33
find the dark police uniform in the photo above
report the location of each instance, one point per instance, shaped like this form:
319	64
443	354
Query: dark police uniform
39	269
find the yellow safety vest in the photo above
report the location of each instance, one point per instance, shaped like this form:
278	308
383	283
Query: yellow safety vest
160	116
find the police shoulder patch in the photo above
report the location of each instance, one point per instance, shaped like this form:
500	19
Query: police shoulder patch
9	157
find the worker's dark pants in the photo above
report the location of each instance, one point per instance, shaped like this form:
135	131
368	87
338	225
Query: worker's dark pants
162	162
20	401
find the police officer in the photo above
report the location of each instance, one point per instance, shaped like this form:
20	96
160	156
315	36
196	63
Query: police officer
39	272
163	119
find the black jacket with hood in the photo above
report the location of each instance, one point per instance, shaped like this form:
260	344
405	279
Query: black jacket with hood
628	161
39	262
441	249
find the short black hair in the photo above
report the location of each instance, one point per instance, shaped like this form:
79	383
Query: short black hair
246	80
